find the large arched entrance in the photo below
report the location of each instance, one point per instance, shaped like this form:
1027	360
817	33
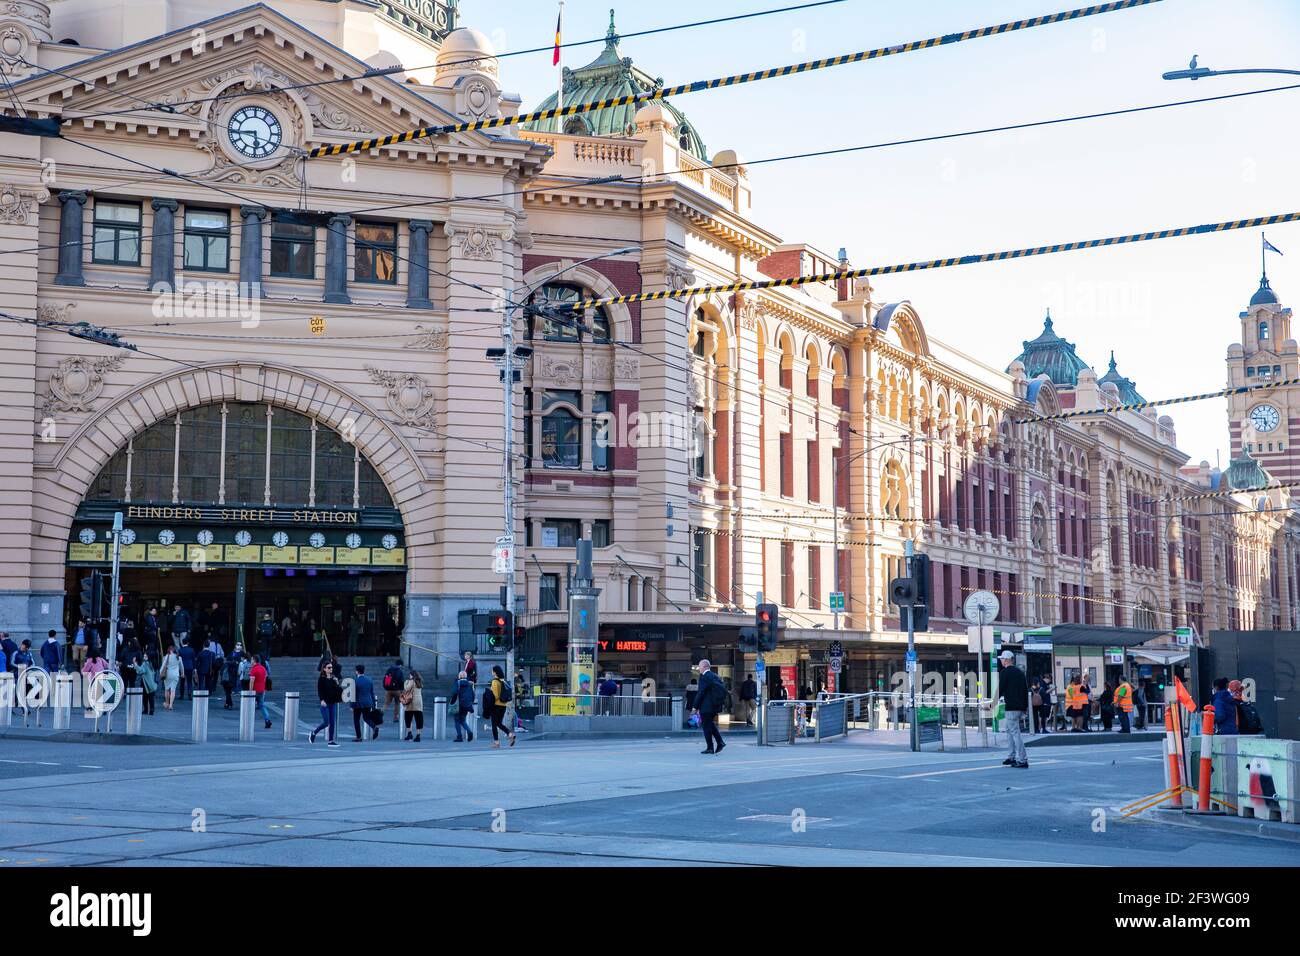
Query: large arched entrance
240	510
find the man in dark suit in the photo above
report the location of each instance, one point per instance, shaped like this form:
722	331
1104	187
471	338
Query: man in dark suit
709	701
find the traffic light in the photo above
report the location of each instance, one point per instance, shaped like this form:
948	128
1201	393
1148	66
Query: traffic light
92	597
766	621
902	592
500	628
921	582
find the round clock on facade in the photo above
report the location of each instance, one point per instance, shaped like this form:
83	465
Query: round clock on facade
204	537
254	132
317	540
353	540
279	539
128	536
1264	418
166	536
87	536
242	538
389	541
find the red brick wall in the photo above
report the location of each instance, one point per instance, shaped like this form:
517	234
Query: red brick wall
780	265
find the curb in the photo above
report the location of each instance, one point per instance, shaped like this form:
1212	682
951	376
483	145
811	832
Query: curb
85	737
1067	739
1243	826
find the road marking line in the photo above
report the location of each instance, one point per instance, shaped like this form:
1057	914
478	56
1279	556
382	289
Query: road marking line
939	773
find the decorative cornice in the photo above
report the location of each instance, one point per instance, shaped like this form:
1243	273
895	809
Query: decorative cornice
18	203
78	381
409	397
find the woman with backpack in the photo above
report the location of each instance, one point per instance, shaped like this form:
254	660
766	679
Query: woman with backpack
148	679
413	700
500	697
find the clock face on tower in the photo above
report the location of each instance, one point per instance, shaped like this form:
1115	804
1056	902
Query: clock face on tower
254	132
1264	418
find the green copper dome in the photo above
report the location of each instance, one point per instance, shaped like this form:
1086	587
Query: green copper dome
1051	355
610	75
1127	390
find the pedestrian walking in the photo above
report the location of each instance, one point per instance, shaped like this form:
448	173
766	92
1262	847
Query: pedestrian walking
1123	704
462	706
181	627
394	681
50	652
257	684
521	695
186	654
1075	704
413	701
749	699
80	644
1046	704
606	691
95	664
1107	702
1085	703
363	704
148	678
1013	688
170	672
471	668
330	693
501	695
709	701
1140	705
10	648
152	636
230	675
203	662
265	637
354	639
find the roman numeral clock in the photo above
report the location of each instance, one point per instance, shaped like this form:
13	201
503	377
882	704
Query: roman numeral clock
1264	418
254	132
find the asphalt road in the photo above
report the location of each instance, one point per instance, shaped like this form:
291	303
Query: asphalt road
569	803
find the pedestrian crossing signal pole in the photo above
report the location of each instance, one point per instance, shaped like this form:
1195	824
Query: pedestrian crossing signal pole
115	591
913	732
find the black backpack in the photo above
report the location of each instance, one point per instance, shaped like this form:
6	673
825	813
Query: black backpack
1248	721
506	693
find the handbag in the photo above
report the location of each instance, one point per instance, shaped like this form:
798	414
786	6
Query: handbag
376	716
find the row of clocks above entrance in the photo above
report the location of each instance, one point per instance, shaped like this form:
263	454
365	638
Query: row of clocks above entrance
243	538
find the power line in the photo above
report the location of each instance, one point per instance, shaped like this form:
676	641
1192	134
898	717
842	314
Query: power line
387	71
723	81
1137	406
928	264
815	154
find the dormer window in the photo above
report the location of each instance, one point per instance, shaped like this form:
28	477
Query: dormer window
1263	331
684	138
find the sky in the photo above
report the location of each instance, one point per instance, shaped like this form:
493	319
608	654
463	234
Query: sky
1168	309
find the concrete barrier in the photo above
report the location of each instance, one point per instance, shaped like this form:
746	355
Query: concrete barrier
1258	776
199	716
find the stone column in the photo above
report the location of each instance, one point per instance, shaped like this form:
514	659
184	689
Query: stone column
250	250
162	245
417	279
71	232
336	259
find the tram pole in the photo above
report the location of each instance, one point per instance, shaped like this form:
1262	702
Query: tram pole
115	590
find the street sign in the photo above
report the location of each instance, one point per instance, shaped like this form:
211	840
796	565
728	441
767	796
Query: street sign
503	556
836	664
835	650
981	607
759	666
911	665
837	601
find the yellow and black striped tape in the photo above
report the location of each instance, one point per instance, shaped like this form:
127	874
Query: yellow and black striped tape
1138	406
394	139
746	286
1233	491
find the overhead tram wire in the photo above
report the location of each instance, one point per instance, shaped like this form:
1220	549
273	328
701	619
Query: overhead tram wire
737	79
929	264
573	183
388	71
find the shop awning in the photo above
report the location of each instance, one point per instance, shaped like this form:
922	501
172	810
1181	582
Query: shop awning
1158	655
1090	635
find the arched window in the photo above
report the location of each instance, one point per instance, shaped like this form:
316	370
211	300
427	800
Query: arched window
562	429
893	491
1038	527
684	137
1144	616
576	126
1263	331
223	453
569	326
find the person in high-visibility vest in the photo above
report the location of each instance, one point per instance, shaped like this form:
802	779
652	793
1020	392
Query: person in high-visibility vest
1074	705
1124	704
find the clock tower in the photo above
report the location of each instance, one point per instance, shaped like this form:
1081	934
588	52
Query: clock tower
1265	425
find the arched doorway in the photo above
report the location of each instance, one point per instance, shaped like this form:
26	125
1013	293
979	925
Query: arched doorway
236	510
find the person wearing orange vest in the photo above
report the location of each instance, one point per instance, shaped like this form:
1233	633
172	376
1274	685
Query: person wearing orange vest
1124	704
1075	701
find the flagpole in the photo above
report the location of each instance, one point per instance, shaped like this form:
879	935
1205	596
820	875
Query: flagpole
559	90
1263	252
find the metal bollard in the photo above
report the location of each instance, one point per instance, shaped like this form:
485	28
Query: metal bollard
291	715
134	709
961	719
401	718
439	727
679	712
7	691
199	716
984	727
247	705
63	702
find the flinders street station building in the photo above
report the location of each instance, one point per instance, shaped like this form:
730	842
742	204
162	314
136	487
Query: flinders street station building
308	426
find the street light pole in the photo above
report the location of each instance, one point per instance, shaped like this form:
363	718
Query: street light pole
1200	72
